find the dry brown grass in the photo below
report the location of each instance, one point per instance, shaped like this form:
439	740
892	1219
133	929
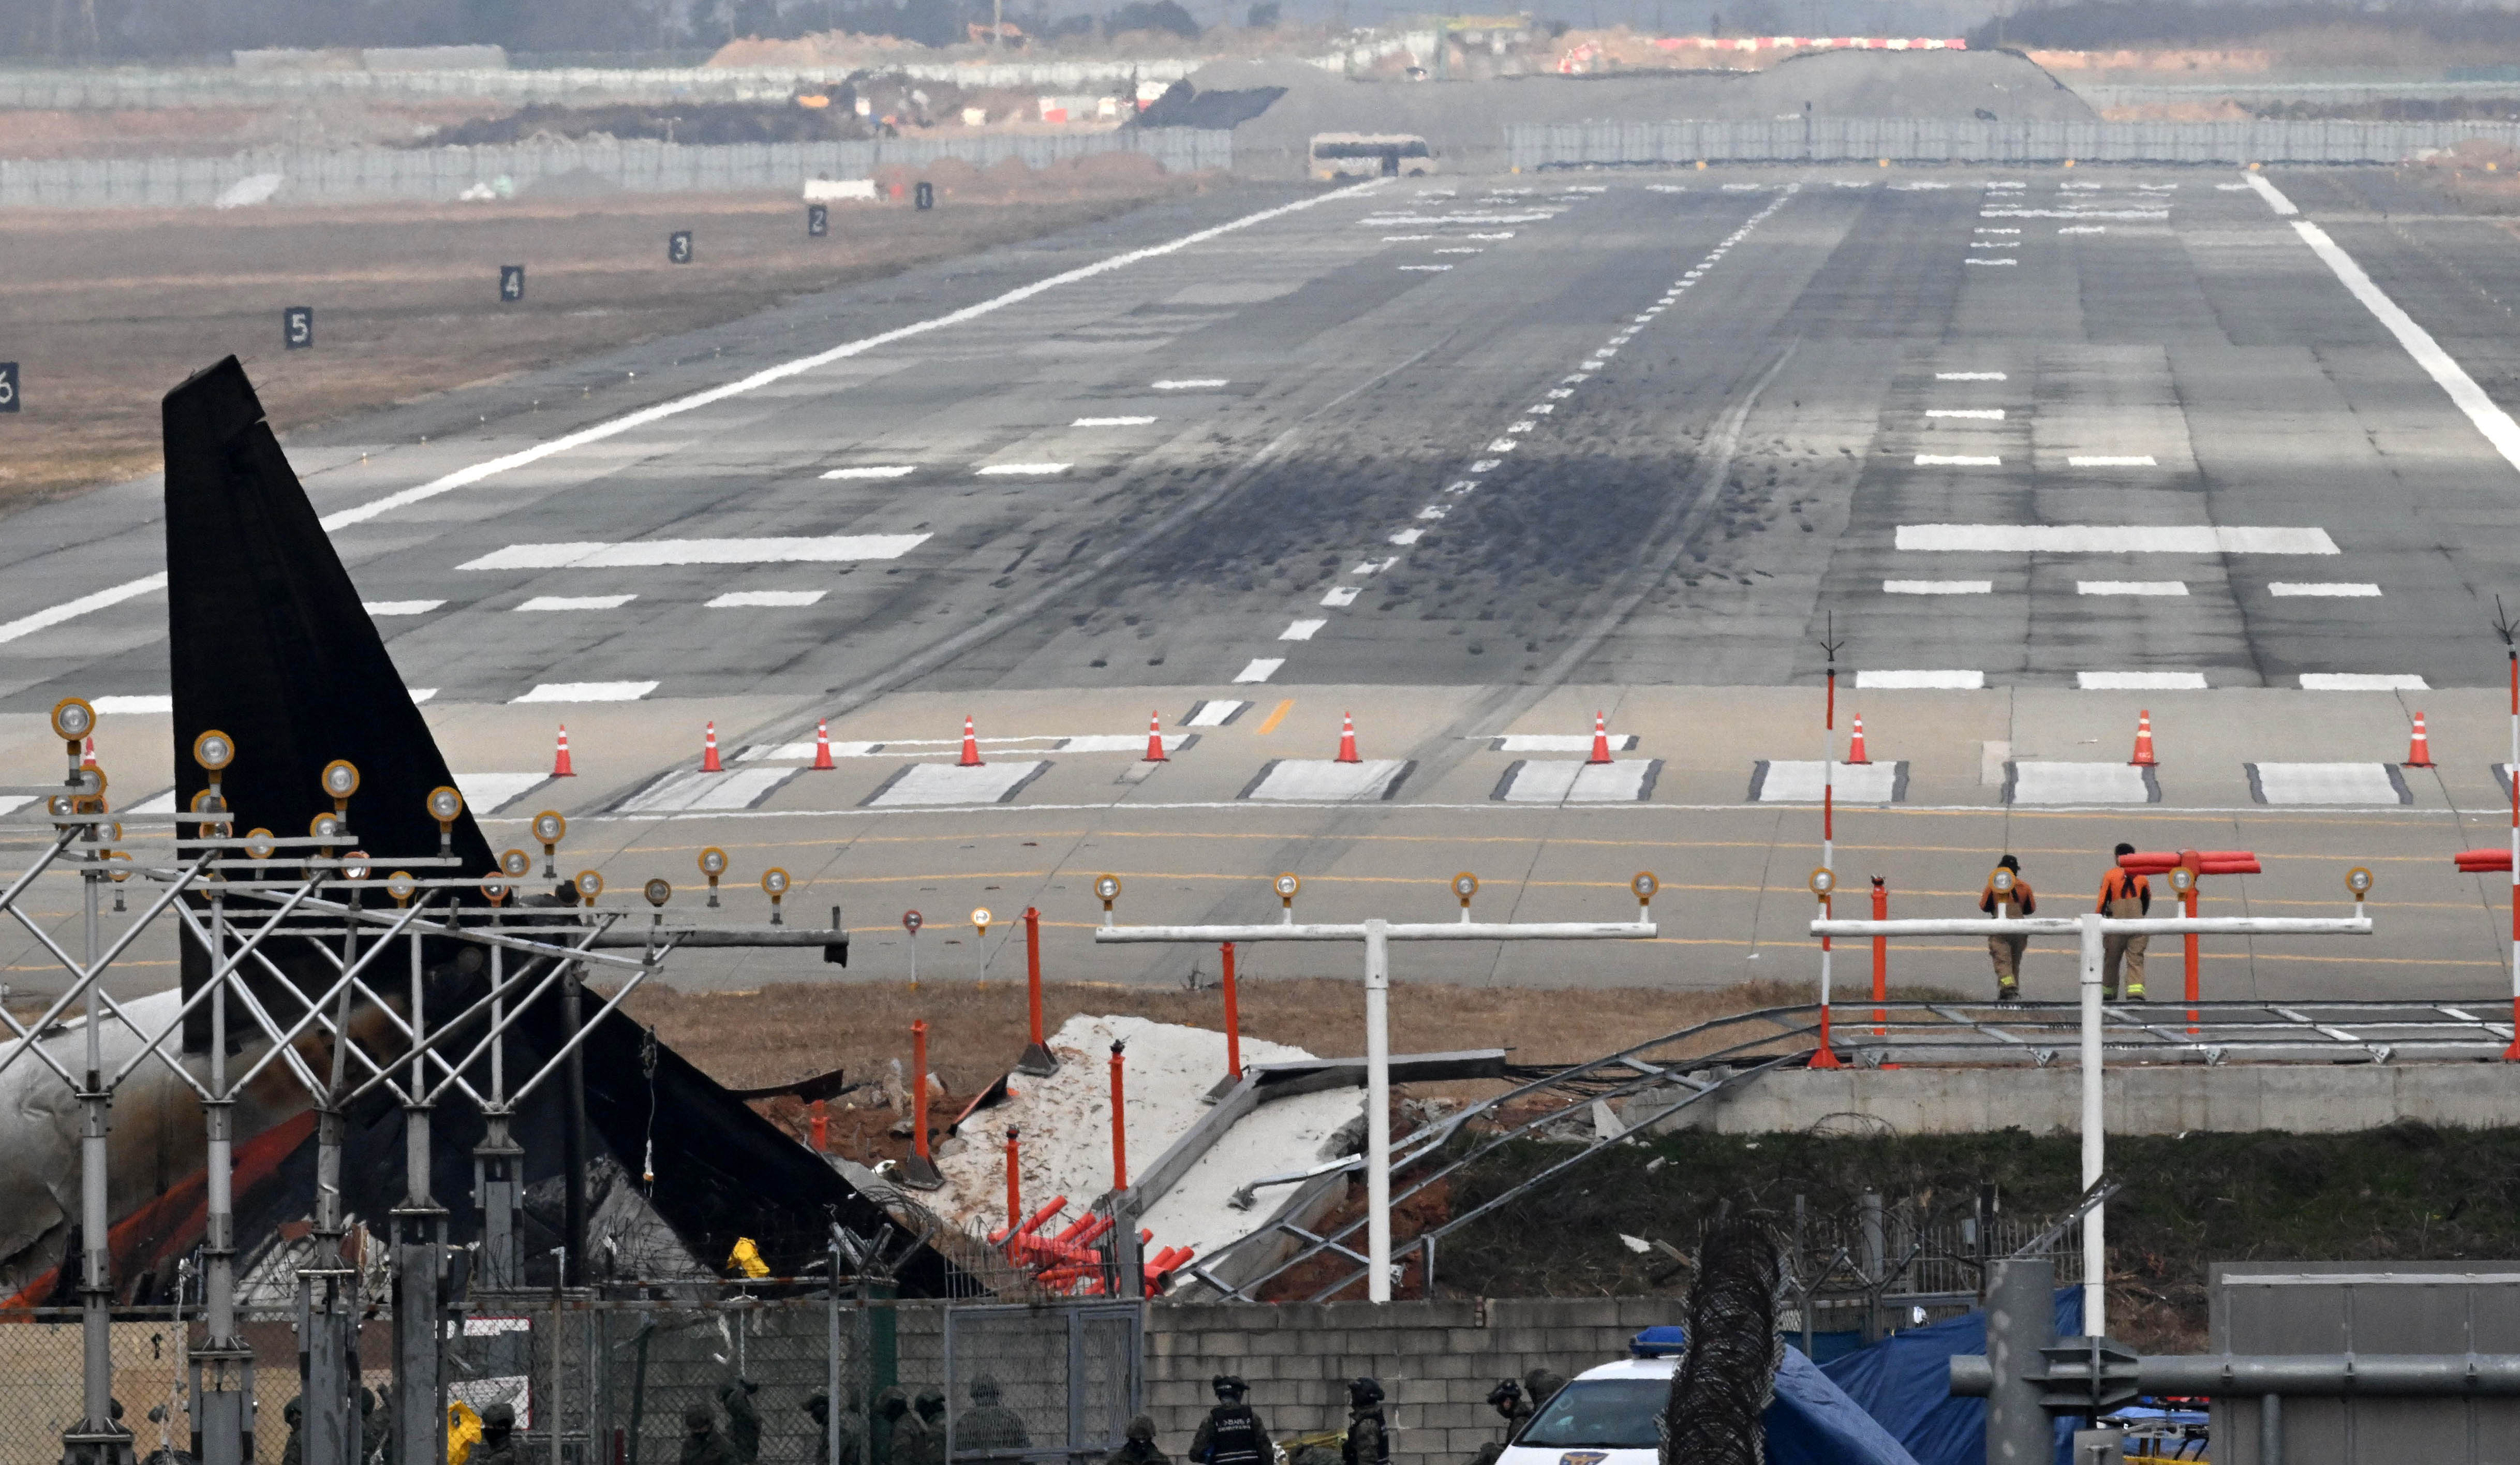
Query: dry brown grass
975	1030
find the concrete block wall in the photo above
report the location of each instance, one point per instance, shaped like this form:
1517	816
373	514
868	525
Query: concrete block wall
1437	1360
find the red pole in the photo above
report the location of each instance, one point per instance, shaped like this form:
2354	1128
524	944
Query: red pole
1881	961
1015	1185
822	1127
1232	1019
918	1079
1032	967
2512	1054
1119	1124
2190	899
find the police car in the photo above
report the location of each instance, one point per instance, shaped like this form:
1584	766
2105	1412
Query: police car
1611	1415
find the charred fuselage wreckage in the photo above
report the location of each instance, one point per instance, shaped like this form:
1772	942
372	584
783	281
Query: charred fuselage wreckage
383	1026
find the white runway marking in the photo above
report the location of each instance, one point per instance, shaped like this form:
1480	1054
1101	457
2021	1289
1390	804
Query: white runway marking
2491	420
1319	781
1487	465
1557	743
929	784
71	610
1301	630
880	471
1938	587
2329	782
106	707
1214	714
2073	213
773	752
1023	470
2140	681
384	608
1193	384
1122	743
577	602
1408	238
1929	681
1338	596
1407	536
1968	414
2361	681
1502	234
2268	191
1996	243
735	600
1995	231
1375	567
1970	375
2130	587
1260	670
1989	261
1567	781
2084	229
645	554
587	692
1110	422
420	695
487	793
156	804
1958	460
2079	783
1433	511
1432	269
1797	781
1469	249
2324	589
2114	539
2128	460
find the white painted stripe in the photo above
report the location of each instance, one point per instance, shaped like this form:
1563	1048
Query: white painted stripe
2130	460
1995	231
1989	261
383	608
587	692
1469	249
484	793
1958	460
71	610
2494	423
1970	414
2114	539
2084	229
1970	375
110	705
1431	269
1407	536
2324	589
2130	587
1191	383
1433	511
2140	681
577	602
1260	670
735	600
1022	470
1110	422
1934	681
1406	238
1301	630
2073	213
642	554
423	694
1504	233
1215	713
1938	587
2274	196
1559	743
156	804
1340	595
2361	681
882	471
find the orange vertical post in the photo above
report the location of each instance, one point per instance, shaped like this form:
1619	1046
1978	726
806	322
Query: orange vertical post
1119	1124
1036	1059
1015	1186
918	1089
1881	961
1232	1019
822	1126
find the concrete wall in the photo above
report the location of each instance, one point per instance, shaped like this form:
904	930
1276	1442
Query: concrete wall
2233	1098
1437	1360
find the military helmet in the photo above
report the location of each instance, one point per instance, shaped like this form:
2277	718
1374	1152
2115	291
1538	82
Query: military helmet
698	1418
1363	1393
1230	1388
295	1410
499	1416
1141	1429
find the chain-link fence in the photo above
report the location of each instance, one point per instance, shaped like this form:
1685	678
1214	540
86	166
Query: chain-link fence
1531	146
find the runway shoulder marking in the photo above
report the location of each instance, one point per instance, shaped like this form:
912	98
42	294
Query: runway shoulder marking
2324	589
2113	539
2363	681
2361	784
1259	669
1320	780
388	607
2079	783
1920	680
878	470
1216	714
577	602
586	692
764	599
928	785
643	554
2140	681
1301	630
1569	781
1803	781
2130	587
1938	587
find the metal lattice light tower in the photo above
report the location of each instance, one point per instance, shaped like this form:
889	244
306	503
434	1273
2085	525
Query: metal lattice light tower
1378	935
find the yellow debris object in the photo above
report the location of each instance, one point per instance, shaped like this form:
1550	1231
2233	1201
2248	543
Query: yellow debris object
462	1431
746	1258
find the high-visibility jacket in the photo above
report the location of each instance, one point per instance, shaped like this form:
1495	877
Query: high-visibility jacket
2124	884
2020	896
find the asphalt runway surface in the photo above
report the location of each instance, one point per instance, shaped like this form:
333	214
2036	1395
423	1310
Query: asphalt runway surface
1472	459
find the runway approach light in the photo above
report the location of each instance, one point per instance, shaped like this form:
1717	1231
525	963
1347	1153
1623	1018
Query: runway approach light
1823	881
659	890
1464	886
1107	887
550	827
516	864
495	890
589	884
1644	884
209	802
340	781
258	843
773	884
355	866
401	886
981	915
712	865
445	806
74	719
1287	885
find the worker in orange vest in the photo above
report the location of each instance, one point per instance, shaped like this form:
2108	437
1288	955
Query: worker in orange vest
2125	896
2005	950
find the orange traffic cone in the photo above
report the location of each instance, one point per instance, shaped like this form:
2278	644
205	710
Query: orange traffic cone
970	746
1600	740
2419	753
559	764
87	752
1155	738
708	753
823	743
1855	753
1347	739
2143	758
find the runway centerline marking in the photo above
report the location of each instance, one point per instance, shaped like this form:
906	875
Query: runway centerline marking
586	692
381	609
2130	587
883	471
2324	589
577	602
1259	669
2114	539
1302	630
642	554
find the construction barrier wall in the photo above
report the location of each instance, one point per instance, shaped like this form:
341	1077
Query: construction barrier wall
1863	140
442	174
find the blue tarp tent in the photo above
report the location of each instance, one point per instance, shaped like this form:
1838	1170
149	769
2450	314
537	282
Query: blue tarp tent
1811	1421
1904	1382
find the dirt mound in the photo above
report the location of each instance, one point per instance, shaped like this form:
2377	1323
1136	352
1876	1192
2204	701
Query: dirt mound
680	122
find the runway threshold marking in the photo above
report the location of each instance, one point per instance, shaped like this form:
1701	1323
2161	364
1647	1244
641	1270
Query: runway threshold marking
489	467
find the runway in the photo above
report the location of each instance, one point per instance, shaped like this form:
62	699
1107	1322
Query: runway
2034	449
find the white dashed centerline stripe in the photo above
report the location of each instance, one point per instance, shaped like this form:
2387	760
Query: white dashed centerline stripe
2140	681
1407	536
2113	539
587	692
2361	681
1958	460
763	599
1191	383
1970	375
1260	670
1340	595
1110	422
1970	414
577	602
1023	470
2324	589
882	471
2124	461
1301	630
643	554
1927	681
1938	587
2130	587
489	467
383	608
